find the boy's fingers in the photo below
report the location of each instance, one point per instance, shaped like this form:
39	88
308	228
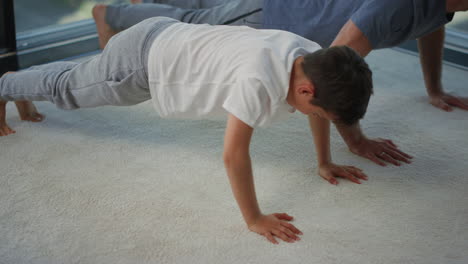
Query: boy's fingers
291	227
282	235
288	232
283	216
270	237
357	173
350	177
332	180
347	175
355	168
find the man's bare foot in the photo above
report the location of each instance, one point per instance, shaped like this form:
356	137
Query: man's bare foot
136	1
105	32
28	112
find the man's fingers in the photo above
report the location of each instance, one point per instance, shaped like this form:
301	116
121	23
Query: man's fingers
454	101
391	143
388	158
270	238
291	227
396	155
375	159
442	105
403	153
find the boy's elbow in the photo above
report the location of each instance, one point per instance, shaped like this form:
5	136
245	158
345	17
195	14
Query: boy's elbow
228	159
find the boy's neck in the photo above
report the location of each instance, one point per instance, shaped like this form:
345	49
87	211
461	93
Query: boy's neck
297	76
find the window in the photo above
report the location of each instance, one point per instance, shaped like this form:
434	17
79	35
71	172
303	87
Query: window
456	42
39	31
459	22
32	15
49	30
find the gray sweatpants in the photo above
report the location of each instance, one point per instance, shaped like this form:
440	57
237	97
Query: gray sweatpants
214	12
117	76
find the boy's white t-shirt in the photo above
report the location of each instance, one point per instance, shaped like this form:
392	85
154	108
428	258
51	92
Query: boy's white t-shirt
204	71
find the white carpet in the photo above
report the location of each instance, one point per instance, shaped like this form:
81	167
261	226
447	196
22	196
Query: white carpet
119	185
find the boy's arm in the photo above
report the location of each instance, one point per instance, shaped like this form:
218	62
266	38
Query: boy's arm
239	169
321	132
431	49
376	150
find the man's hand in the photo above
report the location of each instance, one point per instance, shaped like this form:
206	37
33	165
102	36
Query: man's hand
380	150
445	102
276	225
332	171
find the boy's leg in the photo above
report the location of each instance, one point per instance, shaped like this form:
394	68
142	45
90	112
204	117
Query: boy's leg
118	76
27	112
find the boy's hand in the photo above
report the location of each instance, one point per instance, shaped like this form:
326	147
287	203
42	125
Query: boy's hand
331	171
277	225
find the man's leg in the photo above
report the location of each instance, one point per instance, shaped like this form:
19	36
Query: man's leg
190	4
113	18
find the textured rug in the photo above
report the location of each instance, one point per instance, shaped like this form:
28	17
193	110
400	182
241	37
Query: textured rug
120	185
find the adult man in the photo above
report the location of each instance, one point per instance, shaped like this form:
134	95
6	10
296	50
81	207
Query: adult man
363	25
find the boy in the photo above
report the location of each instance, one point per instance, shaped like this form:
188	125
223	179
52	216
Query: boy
198	71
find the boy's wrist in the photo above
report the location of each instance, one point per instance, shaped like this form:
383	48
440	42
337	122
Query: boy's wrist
252	220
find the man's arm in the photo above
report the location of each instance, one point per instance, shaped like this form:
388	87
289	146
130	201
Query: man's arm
376	150
431	49
239	169
327	169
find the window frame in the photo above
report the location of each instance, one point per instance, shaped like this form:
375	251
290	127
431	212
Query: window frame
455	48
8	54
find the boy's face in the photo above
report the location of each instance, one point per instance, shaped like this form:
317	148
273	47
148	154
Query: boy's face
310	109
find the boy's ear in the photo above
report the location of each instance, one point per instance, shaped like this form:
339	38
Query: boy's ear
307	89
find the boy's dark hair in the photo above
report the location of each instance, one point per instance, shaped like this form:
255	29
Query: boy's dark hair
342	80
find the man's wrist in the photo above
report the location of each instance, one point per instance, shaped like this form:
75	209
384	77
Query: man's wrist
324	162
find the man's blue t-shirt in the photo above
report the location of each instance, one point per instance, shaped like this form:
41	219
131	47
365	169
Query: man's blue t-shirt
384	23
